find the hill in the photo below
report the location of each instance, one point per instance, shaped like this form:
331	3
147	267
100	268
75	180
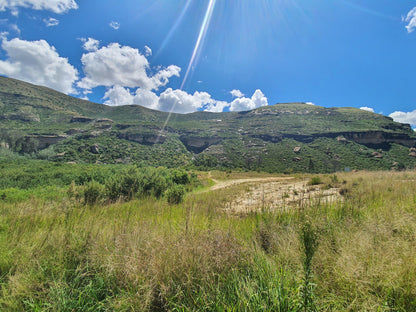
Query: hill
290	137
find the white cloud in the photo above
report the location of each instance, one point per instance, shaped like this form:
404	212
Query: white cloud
310	103
118	95
114	25
237	93
177	101
180	101
123	66
257	100
15	28
368	109
146	98
3	35
147	51
410	19
50	22
90	44
57	6
404	117
37	62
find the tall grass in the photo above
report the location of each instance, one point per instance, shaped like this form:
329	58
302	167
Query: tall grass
149	255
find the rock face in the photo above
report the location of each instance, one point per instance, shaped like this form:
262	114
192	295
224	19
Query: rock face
43	141
22	116
143	138
81	119
375	138
198	144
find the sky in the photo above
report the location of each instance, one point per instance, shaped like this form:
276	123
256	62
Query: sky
217	55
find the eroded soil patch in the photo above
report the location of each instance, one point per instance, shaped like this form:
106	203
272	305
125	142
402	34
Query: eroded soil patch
277	194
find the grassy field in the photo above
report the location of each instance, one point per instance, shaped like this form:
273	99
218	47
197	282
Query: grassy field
355	254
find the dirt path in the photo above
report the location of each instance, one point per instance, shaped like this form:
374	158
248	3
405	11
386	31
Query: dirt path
229	183
275	193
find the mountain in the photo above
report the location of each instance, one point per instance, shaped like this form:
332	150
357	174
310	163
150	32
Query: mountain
290	137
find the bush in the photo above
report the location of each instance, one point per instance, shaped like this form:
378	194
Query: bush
175	194
126	185
315	181
93	192
154	182
180	177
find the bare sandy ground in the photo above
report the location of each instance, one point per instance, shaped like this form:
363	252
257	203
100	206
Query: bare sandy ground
276	193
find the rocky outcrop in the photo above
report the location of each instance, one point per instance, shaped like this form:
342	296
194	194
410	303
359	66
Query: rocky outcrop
198	144
373	139
380	138
21	116
43	141
143	138
104	123
74	131
81	119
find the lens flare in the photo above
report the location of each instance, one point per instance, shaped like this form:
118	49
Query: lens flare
196	52
367	10
174	27
201	37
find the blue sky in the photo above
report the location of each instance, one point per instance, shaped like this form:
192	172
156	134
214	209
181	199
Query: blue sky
217	55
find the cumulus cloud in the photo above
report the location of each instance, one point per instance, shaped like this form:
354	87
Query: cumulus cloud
180	101
404	117
114	25
123	66
50	22
118	95
368	109
410	19
257	100
56	6
237	93
90	44
39	63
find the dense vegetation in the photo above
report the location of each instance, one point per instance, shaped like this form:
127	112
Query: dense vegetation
24	178
135	249
294	137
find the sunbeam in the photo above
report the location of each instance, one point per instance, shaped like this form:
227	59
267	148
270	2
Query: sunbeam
367	10
196	52
174	27
201	38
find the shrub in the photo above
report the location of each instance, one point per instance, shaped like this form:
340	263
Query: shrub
93	192
125	184
153	182
315	181
180	177
175	194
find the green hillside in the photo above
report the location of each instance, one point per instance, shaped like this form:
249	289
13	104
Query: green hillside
291	137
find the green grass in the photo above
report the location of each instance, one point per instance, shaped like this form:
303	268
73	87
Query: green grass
148	255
